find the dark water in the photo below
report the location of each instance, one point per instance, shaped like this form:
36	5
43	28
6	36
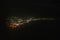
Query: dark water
36	30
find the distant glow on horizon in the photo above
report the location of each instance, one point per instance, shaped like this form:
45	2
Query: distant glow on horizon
14	22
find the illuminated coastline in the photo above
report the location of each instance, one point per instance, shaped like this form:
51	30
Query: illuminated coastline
14	22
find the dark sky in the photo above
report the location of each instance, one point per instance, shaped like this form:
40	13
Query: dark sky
41	8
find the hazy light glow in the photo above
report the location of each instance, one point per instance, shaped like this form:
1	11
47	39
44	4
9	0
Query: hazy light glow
15	22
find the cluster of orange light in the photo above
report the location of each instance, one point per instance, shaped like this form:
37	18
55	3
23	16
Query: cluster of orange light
15	25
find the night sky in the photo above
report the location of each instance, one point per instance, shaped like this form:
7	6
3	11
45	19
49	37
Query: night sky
26	8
